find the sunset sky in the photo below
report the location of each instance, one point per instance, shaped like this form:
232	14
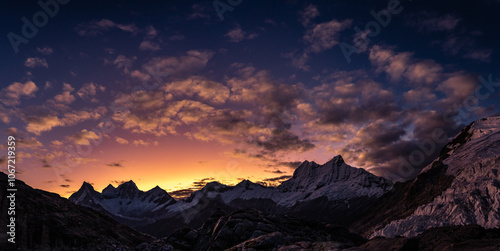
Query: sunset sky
166	93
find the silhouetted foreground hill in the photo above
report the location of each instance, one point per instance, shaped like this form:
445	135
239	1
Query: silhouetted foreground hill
46	221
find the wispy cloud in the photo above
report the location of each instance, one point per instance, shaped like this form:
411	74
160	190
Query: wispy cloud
36	62
237	35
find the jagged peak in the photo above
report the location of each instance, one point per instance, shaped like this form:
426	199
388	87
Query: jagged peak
87	185
109	187
128	185
246	184
213	184
156	189
335	161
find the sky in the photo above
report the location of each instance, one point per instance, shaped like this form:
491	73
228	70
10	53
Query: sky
181	93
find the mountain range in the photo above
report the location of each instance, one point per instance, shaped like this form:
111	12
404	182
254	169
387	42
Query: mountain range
453	204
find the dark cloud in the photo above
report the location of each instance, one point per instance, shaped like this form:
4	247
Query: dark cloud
65	186
116	164
45	164
276	181
118	182
183	193
282	140
274	171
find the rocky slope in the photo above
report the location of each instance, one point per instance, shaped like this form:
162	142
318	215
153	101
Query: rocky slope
253	230
46	221
126	203
461	187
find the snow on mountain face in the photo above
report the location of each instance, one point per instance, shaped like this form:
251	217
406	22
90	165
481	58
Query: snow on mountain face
335	179
125	201
474	195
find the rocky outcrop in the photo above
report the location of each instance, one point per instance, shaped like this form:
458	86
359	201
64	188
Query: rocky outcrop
254	230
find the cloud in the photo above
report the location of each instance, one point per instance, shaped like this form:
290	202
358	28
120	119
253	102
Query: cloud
89	90
36	62
324	36
148	45
118	182
42	123
73	117
318	37
121	141
309	13
84	137
176	37
432	22
57	143
419	95
66	97
274	171
237	35
44	50
65	186
193	61
200	88
122	62
116	164
483	55
457	87
200	11
402	65
276	181
144	143
12	94
151	32
29	143
195	186
97	27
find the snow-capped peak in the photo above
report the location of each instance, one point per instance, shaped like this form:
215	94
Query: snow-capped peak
336	161
108	190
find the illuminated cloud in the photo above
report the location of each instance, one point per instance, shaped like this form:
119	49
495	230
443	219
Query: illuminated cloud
29	143
36	62
399	65
148	45
97	27
151	32
84	137
57	143
41	124
66	97
324	36
89	90
457	87
144	143
44	50
237	35
200	11
12	94
121	141
123	62
193	61
309	13
199	87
